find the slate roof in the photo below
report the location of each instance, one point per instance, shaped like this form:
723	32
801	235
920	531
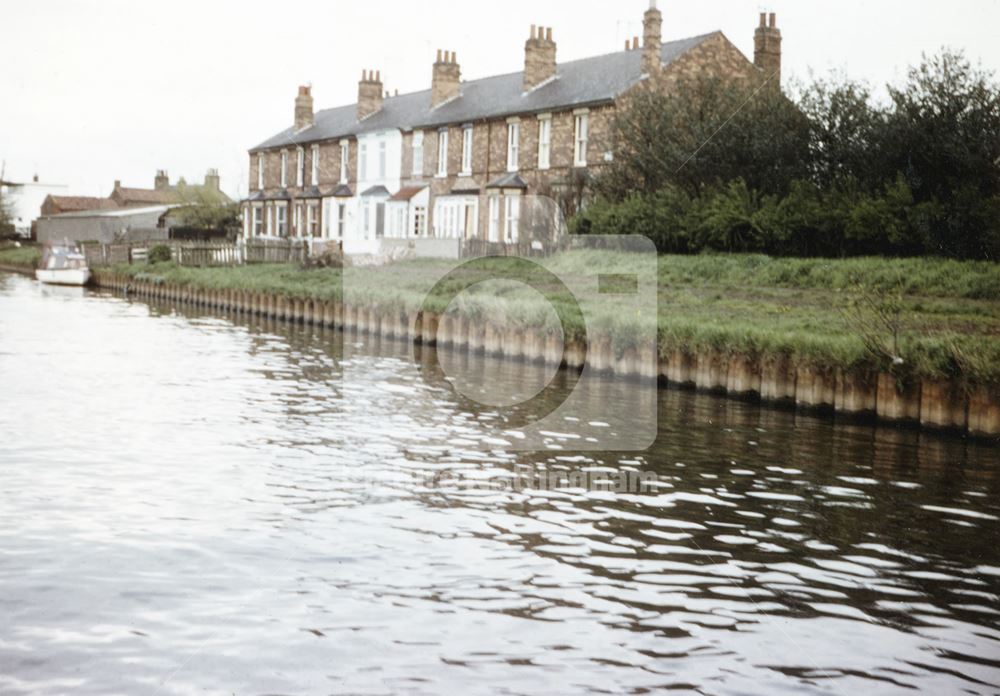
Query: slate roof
588	81
509	180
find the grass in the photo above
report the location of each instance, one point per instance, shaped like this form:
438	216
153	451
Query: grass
749	305
28	256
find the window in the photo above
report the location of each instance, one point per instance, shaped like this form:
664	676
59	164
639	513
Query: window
544	141
367	218
260	170
418	153
297	226
442	153
513	145
269	214
258	222
467	150
419	221
282	220
363	162
312	220
512	216
345	156
314	166
580	141
381	159
494	231
284	168
341	218
300	167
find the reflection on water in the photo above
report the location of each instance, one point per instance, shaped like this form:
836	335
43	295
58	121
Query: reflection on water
196	503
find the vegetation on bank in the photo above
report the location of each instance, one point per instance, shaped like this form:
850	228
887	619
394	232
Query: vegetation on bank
27	256
747	305
833	172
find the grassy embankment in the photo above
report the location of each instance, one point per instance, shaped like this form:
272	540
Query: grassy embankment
25	256
748	305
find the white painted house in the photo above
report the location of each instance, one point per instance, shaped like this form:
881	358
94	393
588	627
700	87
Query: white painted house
26	201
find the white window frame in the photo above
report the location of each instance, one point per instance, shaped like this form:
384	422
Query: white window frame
312	219
362	161
284	168
366	218
511	217
513	144
442	165
300	167
269	219
257	229
544	141
341	219
494	218
381	159
281	219
467	135
260	170
418	153
314	166
345	159
581	133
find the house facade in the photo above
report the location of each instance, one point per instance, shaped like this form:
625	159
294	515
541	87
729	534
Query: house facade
460	159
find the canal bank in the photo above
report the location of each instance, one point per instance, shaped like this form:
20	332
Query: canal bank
929	402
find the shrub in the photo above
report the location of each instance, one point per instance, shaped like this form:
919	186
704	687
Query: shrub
159	254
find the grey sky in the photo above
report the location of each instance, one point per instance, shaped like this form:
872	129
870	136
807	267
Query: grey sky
97	91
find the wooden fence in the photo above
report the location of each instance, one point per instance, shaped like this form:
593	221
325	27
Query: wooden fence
200	253
475	248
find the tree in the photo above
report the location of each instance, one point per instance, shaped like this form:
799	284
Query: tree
206	208
942	136
6	213
705	131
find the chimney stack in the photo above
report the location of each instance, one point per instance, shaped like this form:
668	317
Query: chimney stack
212	180
539	57
652	39
162	181
445	79
767	49
304	108
369	93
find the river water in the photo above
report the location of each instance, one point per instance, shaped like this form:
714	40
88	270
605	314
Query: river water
192	502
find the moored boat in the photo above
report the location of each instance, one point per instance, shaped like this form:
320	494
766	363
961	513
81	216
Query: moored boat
63	264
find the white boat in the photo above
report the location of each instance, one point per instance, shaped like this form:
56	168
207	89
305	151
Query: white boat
63	264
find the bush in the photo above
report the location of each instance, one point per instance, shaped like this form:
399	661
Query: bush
159	254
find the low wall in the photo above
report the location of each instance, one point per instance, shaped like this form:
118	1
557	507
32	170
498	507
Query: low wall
928	403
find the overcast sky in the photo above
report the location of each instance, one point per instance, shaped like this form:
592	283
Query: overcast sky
98	91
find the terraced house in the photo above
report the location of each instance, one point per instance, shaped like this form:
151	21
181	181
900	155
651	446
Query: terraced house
458	159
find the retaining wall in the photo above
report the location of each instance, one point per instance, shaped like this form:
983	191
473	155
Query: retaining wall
928	403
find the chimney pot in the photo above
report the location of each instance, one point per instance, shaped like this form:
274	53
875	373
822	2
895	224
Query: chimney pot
635	43
118	183
445	78
539	57
304	108
767	49
369	93
627	44
652	23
